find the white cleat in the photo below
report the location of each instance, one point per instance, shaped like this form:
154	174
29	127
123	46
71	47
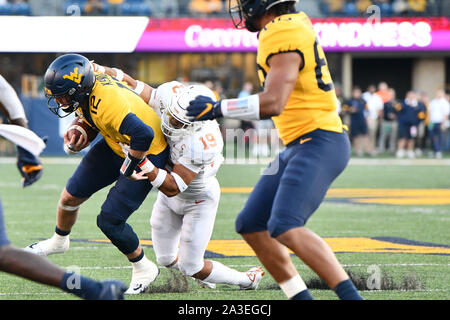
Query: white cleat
204	284
255	275
141	280
56	244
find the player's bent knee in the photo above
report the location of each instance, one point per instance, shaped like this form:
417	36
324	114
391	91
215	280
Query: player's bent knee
69	202
243	224
189	268
165	260
277	227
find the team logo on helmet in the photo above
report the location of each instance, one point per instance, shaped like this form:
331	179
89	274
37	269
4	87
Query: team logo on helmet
74	76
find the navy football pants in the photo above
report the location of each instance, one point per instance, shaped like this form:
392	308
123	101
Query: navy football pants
294	185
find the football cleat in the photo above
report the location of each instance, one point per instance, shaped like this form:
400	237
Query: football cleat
255	275
204	284
50	246
141	280
112	290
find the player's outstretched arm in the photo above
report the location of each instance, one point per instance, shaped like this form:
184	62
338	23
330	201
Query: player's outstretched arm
279	84
171	183
141	88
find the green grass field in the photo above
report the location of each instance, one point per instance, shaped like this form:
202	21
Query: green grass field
390	218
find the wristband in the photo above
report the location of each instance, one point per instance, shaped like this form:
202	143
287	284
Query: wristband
139	87
119	74
146	165
129	164
100	68
159	180
179	181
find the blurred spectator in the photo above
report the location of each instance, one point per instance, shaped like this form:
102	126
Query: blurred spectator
384	92
422	134
205	7
409	115
374	113
93	8
439	111
46	7
388	127
115	7
357	107
362	5
332	7
417	6
166	8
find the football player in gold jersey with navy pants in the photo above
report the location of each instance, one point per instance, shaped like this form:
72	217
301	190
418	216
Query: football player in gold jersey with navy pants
300	98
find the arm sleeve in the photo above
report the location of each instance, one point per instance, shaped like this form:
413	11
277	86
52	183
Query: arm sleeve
10	100
141	135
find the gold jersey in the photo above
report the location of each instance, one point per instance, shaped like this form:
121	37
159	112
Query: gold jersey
109	103
313	102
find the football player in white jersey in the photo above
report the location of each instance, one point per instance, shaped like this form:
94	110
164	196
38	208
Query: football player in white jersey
183	216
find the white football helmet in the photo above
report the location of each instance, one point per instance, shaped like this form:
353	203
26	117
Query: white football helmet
174	122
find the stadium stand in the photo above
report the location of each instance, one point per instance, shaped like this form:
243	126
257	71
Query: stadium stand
315	8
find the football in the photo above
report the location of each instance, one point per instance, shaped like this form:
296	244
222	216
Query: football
79	127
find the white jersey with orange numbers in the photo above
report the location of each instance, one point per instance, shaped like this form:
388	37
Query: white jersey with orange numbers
200	151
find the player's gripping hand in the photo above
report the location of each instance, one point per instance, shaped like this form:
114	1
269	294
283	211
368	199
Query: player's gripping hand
203	108
30	167
74	143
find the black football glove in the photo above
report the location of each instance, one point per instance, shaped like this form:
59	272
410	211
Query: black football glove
30	167
203	108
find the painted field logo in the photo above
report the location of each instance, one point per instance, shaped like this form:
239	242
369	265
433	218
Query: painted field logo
379	196
239	248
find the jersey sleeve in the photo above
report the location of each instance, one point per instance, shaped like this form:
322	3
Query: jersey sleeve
281	36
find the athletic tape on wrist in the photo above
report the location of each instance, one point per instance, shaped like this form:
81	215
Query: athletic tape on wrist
179	181
243	108
159	180
146	165
139	87
119	74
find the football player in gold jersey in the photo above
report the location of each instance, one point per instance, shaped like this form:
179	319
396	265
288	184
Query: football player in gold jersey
132	137
300	98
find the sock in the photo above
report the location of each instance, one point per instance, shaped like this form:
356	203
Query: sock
61	232
138	258
346	290
225	275
80	286
295	289
303	295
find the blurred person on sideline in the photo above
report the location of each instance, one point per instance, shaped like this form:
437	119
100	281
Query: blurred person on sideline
439	111
357	107
388	127
422	132
409	114
374	113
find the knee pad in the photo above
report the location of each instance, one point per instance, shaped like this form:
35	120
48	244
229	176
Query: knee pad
120	233
189	268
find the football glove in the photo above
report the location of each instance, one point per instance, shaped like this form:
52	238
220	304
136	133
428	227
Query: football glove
203	108
30	167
